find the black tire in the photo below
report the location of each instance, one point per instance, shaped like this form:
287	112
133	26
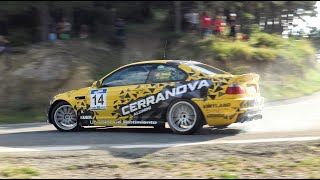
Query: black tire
59	126
162	126
197	121
221	127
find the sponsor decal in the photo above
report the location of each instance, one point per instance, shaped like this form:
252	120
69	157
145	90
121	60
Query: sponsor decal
126	122
142	111
85	117
144	104
220	110
98	99
215	115
217	105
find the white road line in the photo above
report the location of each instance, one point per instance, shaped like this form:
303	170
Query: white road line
136	146
216	142
39	148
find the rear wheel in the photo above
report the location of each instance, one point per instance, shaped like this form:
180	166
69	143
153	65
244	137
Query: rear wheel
64	117
184	118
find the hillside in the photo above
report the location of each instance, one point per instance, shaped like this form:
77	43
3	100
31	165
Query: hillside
287	67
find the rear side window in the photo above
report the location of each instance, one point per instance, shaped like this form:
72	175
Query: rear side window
128	76
165	73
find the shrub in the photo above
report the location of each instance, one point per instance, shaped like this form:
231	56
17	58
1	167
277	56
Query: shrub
264	54
266	40
240	70
241	52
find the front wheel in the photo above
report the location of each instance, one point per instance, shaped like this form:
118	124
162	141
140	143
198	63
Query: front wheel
64	117
184	118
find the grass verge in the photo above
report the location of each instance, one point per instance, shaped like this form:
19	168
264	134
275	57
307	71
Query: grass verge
288	87
19	173
23	117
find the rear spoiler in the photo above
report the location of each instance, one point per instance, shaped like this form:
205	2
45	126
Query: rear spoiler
250	77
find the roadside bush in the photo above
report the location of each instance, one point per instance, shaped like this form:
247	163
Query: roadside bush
266	40
241	52
240	70
264	54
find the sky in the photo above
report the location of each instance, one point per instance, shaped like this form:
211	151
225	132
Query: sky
311	21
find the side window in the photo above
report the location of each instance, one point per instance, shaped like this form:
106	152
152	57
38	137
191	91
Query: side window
128	76
165	73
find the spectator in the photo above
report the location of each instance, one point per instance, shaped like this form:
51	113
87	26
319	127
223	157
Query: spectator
3	44
4	49
64	29
120	30
218	26
194	21
233	30
206	24
187	21
52	31
84	31
232	17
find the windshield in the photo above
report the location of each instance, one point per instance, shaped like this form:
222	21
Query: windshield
206	69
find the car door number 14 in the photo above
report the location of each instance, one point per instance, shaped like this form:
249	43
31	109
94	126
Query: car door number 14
98	99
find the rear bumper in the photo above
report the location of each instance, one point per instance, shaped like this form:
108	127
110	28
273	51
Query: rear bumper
249	116
228	111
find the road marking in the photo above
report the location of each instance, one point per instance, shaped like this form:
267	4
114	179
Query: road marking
216	142
153	146
41	148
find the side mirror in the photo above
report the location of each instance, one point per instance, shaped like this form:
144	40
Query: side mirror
96	84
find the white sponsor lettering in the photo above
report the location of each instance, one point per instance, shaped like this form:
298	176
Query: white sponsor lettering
125	122
203	83
141	103
142	111
133	107
85	117
160	97
123	110
172	93
193	86
153	99
181	89
150	100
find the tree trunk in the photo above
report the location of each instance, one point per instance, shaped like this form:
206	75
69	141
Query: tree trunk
177	9
44	20
200	11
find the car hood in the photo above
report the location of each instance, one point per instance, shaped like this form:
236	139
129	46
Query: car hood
74	93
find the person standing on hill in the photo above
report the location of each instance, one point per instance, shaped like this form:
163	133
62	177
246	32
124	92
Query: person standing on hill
52	30
64	29
233	30
206	23
83	31
187	21
4	49
218	27
232	21
194	21
120	30
3	44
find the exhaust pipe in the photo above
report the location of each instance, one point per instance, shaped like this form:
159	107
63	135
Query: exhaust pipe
251	117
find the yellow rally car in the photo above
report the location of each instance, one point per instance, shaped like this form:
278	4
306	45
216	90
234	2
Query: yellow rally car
185	94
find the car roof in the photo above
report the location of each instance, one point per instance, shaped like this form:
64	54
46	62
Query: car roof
162	62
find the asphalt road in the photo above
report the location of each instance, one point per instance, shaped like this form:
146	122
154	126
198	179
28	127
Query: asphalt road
292	120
